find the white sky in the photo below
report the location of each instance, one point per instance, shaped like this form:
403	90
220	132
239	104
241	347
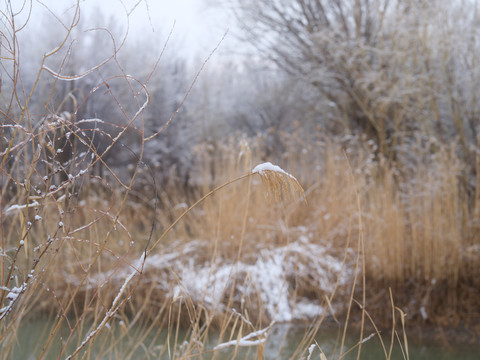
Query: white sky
198	28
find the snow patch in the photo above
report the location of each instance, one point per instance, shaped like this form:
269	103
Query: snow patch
271	278
423	312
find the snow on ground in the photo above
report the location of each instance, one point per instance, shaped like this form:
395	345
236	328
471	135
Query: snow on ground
280	283
271	279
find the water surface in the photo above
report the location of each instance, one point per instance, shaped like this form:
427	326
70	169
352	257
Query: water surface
282	343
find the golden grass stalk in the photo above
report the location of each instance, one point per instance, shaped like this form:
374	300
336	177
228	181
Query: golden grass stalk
277	182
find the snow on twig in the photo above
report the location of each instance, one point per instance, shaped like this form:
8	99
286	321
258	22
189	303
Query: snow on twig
12	295
17	207
260	337
310	351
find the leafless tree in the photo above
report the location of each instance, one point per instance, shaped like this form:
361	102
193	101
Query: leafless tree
386	67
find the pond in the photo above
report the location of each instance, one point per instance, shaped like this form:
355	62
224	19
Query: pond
282	343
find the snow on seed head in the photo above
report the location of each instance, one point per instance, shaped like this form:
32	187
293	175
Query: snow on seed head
278	183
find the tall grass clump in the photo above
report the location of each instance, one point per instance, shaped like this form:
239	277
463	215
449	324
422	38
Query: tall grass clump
419	223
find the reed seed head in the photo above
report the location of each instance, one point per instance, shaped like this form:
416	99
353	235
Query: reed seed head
278	183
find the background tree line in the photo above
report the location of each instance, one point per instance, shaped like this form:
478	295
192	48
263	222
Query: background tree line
397	72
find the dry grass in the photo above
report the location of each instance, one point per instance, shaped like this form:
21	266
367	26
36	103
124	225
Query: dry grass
418	224
405	231
419	228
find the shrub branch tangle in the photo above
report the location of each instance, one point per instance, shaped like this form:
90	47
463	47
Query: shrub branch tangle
388	68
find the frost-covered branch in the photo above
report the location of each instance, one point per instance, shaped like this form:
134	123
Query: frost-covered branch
12	296
111	312
259	337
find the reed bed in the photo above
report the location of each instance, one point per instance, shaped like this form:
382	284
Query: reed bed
235	263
